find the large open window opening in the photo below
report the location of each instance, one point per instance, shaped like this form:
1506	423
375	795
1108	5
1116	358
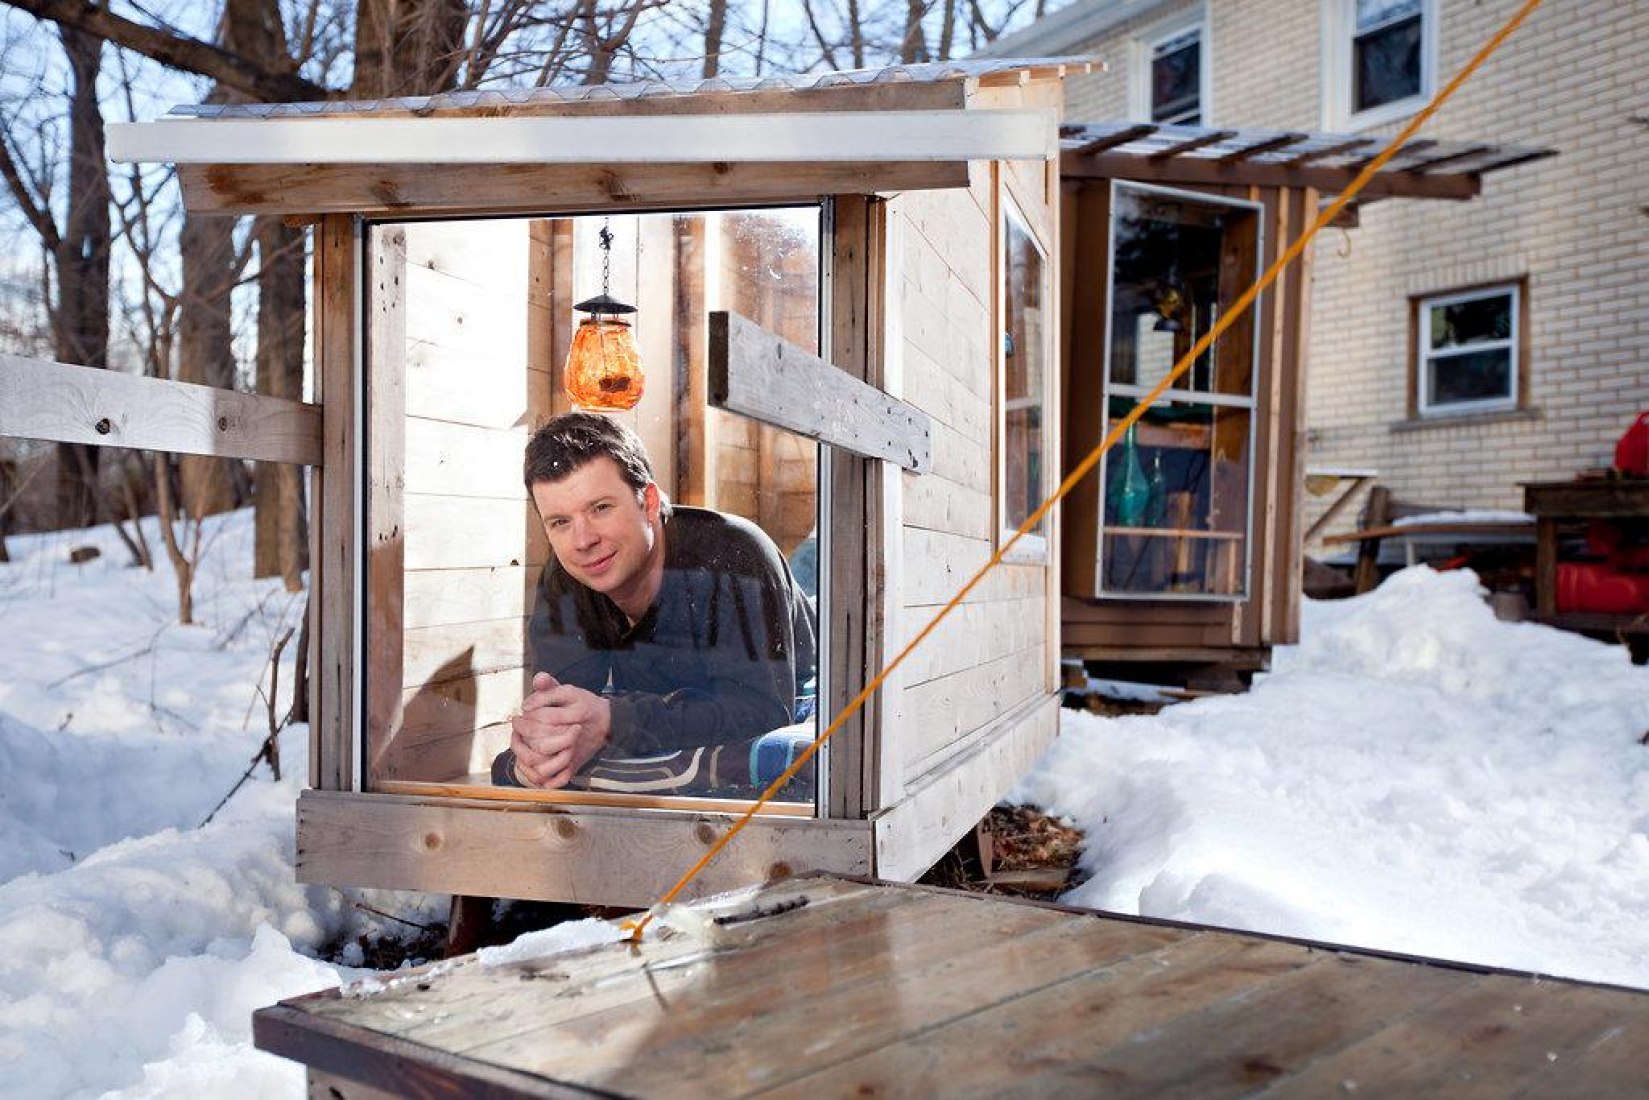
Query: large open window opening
481	314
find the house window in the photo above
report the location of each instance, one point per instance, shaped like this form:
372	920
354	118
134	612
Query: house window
1169	73
1176	72
1467	351
1023	474
1380	58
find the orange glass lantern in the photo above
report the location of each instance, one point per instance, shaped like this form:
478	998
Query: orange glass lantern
603	366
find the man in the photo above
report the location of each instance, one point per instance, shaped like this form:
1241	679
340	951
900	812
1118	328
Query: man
656	629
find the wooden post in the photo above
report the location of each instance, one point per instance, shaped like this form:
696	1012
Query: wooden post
1367	573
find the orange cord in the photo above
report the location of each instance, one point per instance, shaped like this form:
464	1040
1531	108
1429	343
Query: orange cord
1081	470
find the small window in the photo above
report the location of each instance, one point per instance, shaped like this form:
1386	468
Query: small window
1168	82
1024	394
1176	79
1380	59
1467	351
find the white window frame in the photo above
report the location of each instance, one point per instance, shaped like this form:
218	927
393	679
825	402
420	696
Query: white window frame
1425	357
1339	27
1144	48
1032	547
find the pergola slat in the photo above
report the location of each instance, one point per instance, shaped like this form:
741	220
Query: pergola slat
1264	146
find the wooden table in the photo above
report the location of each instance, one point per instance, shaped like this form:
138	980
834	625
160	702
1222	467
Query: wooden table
1555	503
875	989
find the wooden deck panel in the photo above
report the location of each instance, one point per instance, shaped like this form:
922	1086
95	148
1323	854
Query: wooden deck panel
885	990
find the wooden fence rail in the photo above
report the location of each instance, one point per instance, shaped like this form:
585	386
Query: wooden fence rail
108	408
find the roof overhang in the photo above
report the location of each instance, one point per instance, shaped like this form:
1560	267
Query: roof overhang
638	146
776	138
1199	155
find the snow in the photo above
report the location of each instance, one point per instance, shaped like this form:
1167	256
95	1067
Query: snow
1415	776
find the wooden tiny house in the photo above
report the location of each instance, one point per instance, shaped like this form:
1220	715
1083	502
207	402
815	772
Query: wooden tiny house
819	266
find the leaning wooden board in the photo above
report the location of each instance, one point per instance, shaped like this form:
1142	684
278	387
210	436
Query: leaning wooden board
878	989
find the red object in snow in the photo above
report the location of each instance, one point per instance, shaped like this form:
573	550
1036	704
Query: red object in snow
1598	587
1632	452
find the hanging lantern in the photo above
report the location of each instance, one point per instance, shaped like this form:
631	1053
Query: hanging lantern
603	366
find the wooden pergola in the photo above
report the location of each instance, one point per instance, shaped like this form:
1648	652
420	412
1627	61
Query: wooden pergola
1153	153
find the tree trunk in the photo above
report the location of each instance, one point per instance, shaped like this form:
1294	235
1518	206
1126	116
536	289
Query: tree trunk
205	353
282	528
715	26
407	47
914	48
81	325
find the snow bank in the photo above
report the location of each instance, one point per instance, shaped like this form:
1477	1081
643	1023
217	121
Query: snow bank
1415	776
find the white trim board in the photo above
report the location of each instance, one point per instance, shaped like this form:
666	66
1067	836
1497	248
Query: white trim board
934	135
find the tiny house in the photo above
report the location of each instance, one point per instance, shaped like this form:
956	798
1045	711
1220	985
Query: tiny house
819	267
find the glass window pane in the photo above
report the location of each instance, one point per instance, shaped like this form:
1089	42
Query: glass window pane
1176	502
1373	13
1179	262
1024	377
1474	321
486	333
1474	376
1387	64
1176	68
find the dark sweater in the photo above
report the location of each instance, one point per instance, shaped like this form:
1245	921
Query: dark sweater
719	657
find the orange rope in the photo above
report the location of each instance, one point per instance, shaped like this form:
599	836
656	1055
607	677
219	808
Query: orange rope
1083	468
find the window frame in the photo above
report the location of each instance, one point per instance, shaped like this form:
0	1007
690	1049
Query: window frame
1249	402
365	778
1421	358
1145	45
1340	57
1033	546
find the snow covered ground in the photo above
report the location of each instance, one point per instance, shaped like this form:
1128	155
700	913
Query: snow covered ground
1415	776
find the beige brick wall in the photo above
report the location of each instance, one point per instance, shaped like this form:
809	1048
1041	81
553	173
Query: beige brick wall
1575	226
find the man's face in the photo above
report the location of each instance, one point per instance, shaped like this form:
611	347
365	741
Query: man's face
602	534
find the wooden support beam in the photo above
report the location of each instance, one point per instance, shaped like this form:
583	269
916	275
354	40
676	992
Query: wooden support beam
109	408
1337	149
1112	140
760	375
1190	145
1281	141
1199	170
407	190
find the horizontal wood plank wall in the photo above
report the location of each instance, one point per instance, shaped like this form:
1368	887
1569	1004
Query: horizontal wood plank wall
913	835
593	856
472	548
992	656
336	488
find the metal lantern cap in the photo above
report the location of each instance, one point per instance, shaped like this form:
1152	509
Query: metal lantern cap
604	305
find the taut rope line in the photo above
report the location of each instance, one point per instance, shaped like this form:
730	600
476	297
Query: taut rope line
1082	469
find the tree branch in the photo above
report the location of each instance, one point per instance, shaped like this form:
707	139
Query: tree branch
38	216
176	50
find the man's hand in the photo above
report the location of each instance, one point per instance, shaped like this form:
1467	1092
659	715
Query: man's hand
559	728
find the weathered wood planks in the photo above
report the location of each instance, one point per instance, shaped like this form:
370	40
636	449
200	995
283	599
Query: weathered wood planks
882	990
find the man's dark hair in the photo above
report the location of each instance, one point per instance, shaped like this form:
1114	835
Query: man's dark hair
568	441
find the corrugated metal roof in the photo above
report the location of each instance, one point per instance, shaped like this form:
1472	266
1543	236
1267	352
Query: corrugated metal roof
502	98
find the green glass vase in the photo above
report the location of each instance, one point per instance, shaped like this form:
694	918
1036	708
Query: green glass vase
1129	496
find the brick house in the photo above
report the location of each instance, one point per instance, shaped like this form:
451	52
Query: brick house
1456	348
